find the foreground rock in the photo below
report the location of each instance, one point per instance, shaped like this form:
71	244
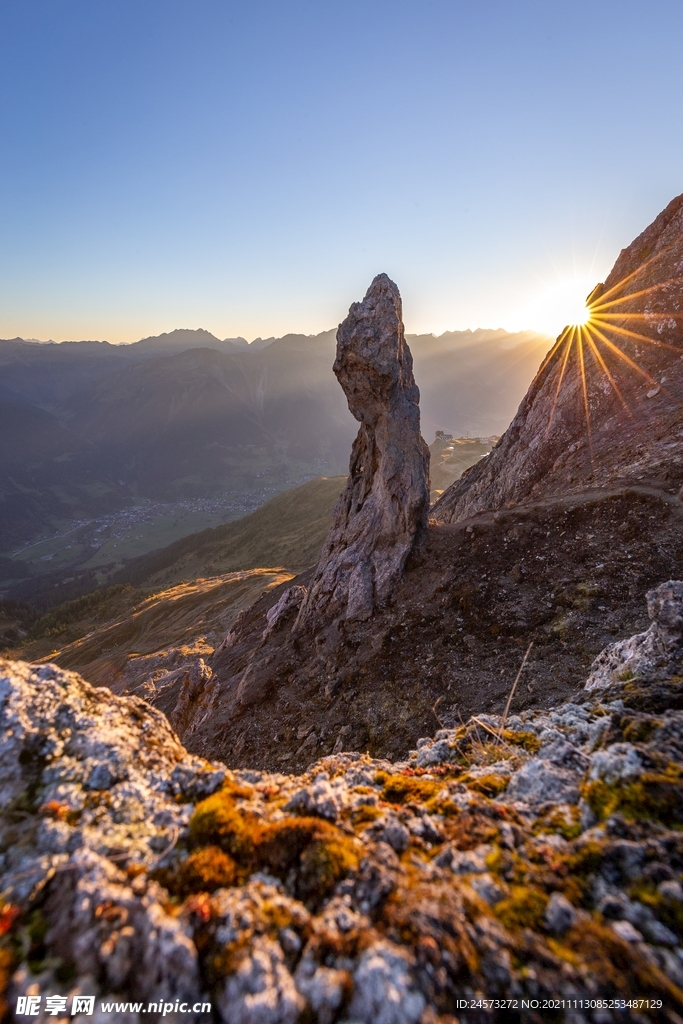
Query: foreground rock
383	510
539	860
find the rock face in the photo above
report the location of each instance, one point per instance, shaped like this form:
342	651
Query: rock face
94	788
656	653
383	511
542	860
606	407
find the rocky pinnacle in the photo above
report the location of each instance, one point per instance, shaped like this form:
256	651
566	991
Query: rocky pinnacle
383	510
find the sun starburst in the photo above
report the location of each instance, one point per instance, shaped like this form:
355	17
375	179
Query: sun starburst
603	329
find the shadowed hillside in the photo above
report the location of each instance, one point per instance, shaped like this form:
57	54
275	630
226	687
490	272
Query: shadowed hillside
114	451
164	632
287	531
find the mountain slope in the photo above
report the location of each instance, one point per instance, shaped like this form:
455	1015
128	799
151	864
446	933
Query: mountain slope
166	632
606	407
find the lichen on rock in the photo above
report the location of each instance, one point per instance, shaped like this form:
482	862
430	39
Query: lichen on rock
545	861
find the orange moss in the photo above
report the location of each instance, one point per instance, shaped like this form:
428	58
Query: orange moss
617	963
366	813
205	870
8	964
469	828
432	919
442	804
320	851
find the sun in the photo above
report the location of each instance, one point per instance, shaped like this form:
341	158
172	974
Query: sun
578	313
556	306
599	332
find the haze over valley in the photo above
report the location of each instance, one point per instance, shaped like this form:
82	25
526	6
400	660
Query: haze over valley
111	451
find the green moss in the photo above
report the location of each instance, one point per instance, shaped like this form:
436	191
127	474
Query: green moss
565	822
586	859
36	930
324	863
667	910
489	785
217	821
616	964
66	971
654	796
527	740
400	789
640	730
524	908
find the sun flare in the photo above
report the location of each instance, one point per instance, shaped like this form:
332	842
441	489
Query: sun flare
601	327
579	315
560	305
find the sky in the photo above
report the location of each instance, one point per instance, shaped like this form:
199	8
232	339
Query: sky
248	166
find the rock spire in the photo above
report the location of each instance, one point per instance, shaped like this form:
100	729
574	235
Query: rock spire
383	511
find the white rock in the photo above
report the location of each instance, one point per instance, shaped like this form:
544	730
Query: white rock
322	987
384	992
620	761
626	931
671	890
321	798
261	990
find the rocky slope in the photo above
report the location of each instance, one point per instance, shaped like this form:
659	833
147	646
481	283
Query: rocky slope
605	408
553	539
535	859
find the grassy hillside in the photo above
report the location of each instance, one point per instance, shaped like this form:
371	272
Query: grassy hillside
164	630
198	583
287	531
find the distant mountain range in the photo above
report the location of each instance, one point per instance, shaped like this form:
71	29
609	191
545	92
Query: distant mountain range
89	428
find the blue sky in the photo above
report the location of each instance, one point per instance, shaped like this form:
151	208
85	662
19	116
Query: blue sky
248	166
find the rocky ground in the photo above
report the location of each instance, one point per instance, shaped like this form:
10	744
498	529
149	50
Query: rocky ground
536	860
569	575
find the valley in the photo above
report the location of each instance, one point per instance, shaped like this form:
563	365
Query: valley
112	451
